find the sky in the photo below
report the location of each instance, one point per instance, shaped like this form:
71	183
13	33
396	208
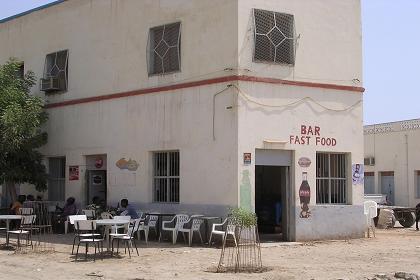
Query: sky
391	56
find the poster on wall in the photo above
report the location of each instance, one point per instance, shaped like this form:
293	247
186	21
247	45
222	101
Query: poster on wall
247	158
129	164
305	197
358	174
97	180
73	173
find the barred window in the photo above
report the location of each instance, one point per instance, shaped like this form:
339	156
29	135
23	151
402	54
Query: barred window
55	72
166	176
56	178
164	49
331	178
274	35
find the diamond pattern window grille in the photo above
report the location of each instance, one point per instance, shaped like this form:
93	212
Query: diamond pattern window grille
56	66
163	49
274	37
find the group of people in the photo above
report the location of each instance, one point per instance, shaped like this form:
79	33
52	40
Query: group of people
16	205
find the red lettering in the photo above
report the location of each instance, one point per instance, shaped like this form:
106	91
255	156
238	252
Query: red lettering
334	142
310	130
291	139
317	140
317	130
303	129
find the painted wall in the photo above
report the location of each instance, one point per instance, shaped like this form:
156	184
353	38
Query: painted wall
267	104
107	54
395	147
329	44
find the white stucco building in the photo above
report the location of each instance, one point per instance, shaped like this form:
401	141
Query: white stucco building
197	106
392	167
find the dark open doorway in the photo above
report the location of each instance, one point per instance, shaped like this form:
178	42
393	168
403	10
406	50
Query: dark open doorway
270	201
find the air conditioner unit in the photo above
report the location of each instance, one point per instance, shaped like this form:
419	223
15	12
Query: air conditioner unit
370	161
51	84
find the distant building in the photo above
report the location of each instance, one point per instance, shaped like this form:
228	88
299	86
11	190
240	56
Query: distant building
197	106
392	161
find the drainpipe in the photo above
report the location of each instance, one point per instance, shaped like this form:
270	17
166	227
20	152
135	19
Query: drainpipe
406	169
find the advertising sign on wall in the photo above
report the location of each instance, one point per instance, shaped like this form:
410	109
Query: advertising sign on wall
358	174
73	173
247	158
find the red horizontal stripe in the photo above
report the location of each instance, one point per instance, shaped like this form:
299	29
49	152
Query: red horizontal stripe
202	83
387	173
369	174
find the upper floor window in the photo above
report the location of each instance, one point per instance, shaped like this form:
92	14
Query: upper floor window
55	72
164	49
274	35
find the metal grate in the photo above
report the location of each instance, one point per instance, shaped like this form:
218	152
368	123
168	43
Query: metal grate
331	178
166	176
56	66
56	178
163	49
274	37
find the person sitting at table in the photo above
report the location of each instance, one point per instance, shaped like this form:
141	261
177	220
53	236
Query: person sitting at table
127	209
15	207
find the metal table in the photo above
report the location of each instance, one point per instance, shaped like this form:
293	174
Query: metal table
8	218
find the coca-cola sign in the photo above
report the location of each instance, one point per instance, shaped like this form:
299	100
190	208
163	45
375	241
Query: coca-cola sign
304	162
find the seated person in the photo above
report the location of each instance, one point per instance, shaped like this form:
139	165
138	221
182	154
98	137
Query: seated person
128	210
69	208
15	208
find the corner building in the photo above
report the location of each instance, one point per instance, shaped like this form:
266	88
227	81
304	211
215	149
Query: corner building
197	106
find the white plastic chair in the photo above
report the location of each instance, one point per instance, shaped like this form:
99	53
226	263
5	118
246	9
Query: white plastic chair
230	230
195	227
180	220
90	214
106	215
150	223
115	229
370	211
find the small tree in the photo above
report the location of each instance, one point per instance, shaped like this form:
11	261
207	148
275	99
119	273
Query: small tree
21	118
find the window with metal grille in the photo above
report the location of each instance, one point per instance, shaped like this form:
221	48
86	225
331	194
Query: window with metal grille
164	49
331	178
274	37
166	176
55	72
56	178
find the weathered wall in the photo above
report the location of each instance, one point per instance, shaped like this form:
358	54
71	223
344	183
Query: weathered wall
271	119
395	147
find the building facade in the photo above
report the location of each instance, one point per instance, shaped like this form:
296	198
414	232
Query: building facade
198	106
392	165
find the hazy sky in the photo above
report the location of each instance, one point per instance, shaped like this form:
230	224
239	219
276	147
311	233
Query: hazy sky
391	56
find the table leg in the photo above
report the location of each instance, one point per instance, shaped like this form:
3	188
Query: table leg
7	232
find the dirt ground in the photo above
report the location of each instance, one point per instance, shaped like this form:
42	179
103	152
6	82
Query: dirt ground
392	250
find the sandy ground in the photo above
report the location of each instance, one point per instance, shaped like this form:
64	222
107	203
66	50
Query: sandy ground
392	250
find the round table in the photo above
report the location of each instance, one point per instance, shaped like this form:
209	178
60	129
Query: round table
8	218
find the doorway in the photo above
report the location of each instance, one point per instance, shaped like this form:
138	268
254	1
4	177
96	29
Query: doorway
96	181
272	194
387	186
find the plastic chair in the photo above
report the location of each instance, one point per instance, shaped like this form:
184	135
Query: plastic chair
106	215
86	232
114	229
127	238
150	223
90	214
195	227
71	219
180	220
370	211
230	231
